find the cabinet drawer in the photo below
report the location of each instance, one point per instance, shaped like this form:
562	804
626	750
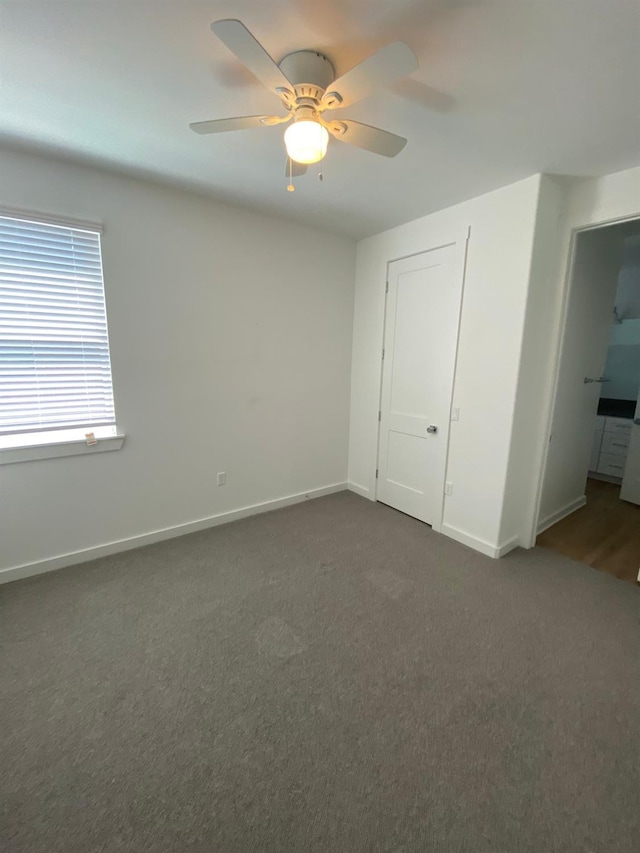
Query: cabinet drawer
612	465
618	425
617	445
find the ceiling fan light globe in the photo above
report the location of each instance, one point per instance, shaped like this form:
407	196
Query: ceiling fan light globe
306	141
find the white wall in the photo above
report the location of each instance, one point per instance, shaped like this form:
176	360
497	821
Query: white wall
622	367
597	200
493	313
231	346
231	343
628	293
528	445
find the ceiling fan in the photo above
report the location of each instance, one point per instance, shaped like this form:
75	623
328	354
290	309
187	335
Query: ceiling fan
305	83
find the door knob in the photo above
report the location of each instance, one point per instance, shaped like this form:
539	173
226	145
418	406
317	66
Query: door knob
432	428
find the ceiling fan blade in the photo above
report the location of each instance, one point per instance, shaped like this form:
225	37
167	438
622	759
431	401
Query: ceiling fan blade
249	51
367	137
293	169
222	125
383	68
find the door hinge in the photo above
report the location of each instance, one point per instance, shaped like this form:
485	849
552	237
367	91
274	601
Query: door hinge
383	353
379	416
386	288
376	473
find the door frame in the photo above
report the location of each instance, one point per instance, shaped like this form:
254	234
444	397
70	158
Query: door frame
460	239
567	289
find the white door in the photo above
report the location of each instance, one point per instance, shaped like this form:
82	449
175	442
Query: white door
630	490
596	264
420	344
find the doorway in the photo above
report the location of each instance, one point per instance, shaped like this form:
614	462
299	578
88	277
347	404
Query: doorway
590	504
424	294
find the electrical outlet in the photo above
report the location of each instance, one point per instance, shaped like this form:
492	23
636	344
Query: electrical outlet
455	414
222	478
448	488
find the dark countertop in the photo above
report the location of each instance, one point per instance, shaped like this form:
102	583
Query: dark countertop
616	408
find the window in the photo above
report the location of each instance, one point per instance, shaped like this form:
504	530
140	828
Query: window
55	368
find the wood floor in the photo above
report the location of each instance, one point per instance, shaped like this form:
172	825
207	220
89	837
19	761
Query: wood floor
604	534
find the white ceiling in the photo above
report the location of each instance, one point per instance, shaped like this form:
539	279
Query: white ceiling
505	88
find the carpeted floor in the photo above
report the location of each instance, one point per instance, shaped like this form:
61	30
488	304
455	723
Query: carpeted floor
329	677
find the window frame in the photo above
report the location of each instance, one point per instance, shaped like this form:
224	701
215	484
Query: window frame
63	441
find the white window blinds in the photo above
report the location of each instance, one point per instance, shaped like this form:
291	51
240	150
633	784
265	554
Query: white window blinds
55	370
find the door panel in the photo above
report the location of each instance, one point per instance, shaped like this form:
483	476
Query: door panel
421	332
412	348
403	450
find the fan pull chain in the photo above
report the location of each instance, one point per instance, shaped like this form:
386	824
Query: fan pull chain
290	186
320	174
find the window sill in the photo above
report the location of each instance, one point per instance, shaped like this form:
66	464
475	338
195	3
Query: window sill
52	450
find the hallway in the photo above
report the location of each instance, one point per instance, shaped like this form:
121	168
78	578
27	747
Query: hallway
604	534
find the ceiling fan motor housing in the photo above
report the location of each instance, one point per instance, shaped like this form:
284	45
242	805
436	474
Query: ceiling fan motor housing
310	73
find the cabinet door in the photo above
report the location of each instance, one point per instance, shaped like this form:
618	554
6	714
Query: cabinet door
611	465
620	426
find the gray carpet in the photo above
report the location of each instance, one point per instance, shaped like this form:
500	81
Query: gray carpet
329	677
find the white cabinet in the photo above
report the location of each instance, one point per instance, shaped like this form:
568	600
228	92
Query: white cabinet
612	465
619	426
610	447
616	443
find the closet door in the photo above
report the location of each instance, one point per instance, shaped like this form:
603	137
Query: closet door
420	345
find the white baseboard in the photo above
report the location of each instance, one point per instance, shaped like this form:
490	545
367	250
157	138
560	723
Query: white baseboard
359	490
606	478
507	546
478	544
49	565
561	513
